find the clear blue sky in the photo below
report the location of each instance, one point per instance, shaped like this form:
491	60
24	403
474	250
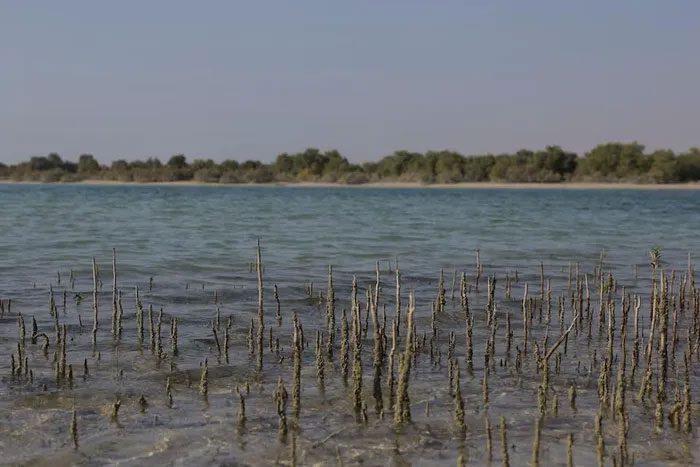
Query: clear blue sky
225	79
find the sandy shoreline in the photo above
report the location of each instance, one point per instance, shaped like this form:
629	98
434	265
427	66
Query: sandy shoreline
463	185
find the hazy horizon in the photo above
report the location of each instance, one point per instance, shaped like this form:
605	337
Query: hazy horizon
224	80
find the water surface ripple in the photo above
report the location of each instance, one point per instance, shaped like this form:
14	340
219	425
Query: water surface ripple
197	243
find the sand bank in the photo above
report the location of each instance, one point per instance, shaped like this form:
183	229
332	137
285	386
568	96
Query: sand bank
388	184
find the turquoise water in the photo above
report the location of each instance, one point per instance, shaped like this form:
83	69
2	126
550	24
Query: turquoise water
207	233
197	243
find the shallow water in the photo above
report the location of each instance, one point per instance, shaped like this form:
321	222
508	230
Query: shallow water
197	243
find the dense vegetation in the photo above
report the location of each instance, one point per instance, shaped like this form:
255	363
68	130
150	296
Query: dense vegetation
611	162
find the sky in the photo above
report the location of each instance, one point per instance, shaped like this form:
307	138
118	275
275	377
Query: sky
250	80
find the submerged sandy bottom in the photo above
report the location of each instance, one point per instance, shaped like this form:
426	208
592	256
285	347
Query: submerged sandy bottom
201	430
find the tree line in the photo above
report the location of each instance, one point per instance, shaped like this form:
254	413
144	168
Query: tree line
610	162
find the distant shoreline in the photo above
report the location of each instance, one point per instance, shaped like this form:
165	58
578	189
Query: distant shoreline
388	184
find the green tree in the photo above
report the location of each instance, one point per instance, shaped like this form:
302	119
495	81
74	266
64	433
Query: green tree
198	164
556	162
250	165
54	161
87	164
120	165
284	164
229	164
664	167
403	165
178	161
39	163
335	165
689	165
615	161
446	166
477	168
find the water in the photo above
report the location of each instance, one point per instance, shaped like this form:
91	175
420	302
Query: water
197	243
